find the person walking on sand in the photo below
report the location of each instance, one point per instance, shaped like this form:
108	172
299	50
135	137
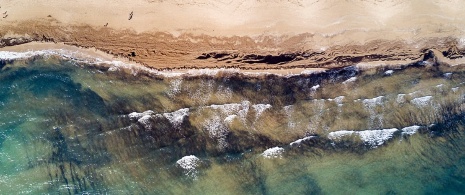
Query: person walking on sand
130	15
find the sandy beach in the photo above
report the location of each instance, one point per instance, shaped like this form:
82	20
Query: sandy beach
246	34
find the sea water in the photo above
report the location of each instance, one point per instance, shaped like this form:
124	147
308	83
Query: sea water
70	127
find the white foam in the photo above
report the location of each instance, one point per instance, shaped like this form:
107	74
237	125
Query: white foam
400	98
370	105
242	114
374	101
410	130
299	141
145	120
373	138
229	119
376	138
455	89
175	87
339	99
217	130
10	55
260	108
189	164
350	80
177	117
389	72
137	115
216	71
461	43
224	93
211	72
310	72
337	135
240	110
275	152
422	101
203	91
227	109
314	88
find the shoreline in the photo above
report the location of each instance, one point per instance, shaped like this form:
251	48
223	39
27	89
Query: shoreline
94	56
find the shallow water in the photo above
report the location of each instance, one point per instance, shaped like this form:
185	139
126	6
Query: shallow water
74	128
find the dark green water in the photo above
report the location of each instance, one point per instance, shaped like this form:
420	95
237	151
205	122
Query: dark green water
73	128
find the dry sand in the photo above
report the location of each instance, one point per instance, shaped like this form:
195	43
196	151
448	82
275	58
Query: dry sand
246	34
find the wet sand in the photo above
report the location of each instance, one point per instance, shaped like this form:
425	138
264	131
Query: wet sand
248	34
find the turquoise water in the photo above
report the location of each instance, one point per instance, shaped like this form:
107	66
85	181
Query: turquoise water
75	128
